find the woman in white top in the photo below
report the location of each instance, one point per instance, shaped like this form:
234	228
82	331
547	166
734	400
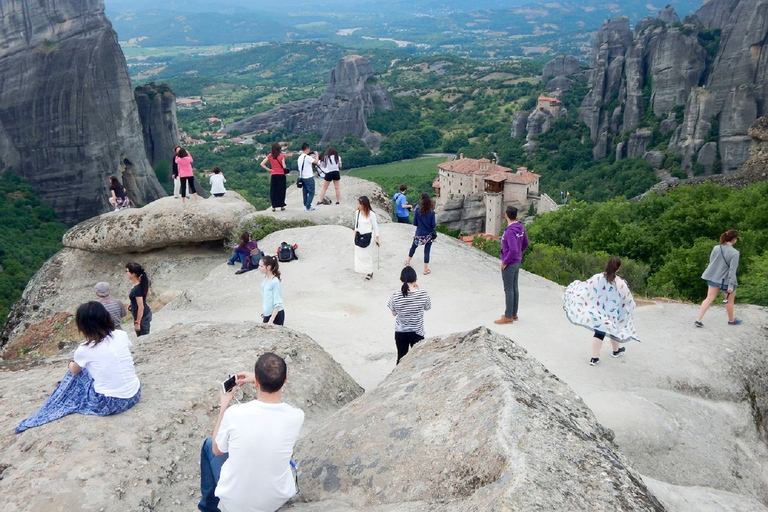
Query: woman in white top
217	181
330	164
366	228
101	379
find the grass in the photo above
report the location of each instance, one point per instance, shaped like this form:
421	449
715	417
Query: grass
418	174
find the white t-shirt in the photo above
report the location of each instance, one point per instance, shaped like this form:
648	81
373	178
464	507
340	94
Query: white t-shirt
217	183
305	166
111	365
259	439
330	164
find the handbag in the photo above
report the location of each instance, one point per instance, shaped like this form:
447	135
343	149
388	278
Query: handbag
433	234
299	183
361	239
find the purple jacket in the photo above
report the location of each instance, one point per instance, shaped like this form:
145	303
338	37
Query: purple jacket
513	242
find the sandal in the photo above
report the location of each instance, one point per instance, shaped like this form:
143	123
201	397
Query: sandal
427	272
369	276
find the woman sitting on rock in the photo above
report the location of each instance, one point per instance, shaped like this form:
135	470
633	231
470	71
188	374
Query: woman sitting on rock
118	197
101	379
247	252
142	315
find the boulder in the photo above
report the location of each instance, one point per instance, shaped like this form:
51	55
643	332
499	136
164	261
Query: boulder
352	94
160	224
148	458
519	120
469	421
562	65
559	83
68	118
538	123
157	112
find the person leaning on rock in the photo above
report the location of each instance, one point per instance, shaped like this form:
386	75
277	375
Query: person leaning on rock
246	463
115	308
513	242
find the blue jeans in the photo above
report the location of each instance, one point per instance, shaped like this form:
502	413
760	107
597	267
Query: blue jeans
511	292
404	220
308	191
235	257
210	471
427	249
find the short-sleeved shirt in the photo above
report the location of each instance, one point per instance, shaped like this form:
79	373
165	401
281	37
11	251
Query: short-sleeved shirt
115	309
305	166
259	439
217	183
410	310
136	292
330	164
277	165
271	296
111	365
400	200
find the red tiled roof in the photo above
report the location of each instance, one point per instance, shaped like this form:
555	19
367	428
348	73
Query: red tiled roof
495	172
548	98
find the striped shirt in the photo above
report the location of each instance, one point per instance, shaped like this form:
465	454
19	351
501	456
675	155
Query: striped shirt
115	309
410	310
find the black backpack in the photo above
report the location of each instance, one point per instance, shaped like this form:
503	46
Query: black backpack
286	252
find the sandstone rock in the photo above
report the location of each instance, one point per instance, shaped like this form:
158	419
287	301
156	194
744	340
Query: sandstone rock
67	136
559	83
668	15
638	142
152	450
160	224
706	156
620	151
157	113
669	124
655	158
391	446
351	95
562	65
715	13
519	120
538	123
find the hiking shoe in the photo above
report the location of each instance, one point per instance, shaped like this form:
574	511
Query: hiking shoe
736	321
619	352
698	324
594	361
230	262
311	209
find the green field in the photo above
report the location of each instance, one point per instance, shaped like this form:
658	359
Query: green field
418	174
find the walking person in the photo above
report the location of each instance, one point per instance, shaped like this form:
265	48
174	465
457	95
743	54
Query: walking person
721	275
142	315
366	228
424	220
330	165
114	307
217	181
603	304
307	176
408	306
513	242
276	170
100	380
187	176
272	311
402	208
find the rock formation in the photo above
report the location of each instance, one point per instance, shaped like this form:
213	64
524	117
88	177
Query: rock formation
563	65
157	112
713	64
159	224
67	112
465	213
470	421
352	93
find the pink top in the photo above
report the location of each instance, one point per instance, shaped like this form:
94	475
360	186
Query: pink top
277	165
185	166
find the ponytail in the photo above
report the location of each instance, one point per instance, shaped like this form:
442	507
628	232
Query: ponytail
407	275
729	235
613	266
138	271
271	262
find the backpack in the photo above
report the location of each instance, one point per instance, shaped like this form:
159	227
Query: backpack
286	252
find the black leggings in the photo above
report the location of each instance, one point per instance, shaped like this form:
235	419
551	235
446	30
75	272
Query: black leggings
405	340
279	318
191	182
427	248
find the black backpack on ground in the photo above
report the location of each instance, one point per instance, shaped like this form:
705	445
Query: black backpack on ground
286	252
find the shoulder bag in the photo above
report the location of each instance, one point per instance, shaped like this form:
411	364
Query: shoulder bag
361	239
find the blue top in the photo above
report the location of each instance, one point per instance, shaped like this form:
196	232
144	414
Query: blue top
425	224
400	200
271	296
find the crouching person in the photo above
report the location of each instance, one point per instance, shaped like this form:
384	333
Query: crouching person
246	463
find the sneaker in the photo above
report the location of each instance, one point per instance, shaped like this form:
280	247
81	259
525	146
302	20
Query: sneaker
311	209
736	321
594	361
230	262
619	352
698	324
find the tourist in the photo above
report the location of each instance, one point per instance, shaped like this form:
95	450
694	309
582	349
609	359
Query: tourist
307	176
401	206
603	304
277	176
101	379
407	306
142	315
246	463
721	275
424	220
115	308
247	252
513	242
118	196
184	162
175	173
217	181
366	227
330	165
272	311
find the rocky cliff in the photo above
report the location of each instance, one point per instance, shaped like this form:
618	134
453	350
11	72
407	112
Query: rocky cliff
67	112
352	93
710	67
157	112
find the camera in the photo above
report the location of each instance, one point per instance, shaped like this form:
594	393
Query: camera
228	384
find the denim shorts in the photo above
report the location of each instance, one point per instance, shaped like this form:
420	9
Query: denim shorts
722	286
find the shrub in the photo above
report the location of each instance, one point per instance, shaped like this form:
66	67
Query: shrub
263	225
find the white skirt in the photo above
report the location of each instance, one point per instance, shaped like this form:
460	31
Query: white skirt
364	259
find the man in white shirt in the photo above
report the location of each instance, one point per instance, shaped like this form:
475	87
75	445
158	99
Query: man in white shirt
246	463
307	175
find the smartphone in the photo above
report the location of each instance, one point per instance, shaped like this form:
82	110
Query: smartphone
228	384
